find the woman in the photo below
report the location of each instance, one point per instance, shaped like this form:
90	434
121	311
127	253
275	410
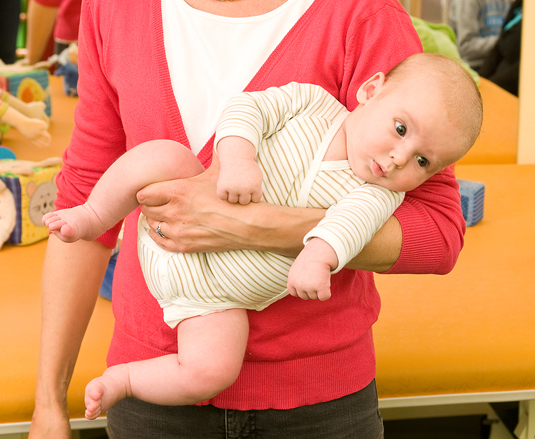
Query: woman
309	367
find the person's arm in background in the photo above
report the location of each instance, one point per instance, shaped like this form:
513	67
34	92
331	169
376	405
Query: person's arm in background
472	46
41	20
73	273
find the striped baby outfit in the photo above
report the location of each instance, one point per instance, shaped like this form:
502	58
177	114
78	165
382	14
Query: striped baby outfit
292	127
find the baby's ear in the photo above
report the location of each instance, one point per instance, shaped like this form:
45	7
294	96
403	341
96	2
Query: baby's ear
371	87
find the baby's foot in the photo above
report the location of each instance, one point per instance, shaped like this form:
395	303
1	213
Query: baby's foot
105	391
71	225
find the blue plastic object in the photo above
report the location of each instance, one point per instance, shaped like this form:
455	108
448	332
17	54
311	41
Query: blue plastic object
106	286
6	153
472	201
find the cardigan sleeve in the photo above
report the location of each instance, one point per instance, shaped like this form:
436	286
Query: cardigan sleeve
98	138
433	227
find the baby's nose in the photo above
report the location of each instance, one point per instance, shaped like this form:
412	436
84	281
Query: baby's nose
399	157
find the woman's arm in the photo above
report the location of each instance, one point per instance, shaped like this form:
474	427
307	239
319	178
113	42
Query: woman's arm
72	275
73	272
41	20
472	46
425	235
211	224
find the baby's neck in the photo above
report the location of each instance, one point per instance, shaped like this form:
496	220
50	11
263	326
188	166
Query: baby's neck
337	149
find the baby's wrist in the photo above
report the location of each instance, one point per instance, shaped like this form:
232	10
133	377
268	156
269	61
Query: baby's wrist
234	147
324	251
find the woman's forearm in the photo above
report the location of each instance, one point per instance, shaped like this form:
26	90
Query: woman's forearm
282	230
193	219
72	275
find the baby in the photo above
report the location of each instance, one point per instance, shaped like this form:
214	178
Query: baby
294	146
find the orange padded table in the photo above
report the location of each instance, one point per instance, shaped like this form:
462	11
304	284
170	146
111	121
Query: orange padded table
468	336
20	298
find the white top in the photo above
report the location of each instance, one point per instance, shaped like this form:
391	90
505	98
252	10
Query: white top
224	73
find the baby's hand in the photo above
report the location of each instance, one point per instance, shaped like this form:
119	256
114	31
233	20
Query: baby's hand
310	274
240	177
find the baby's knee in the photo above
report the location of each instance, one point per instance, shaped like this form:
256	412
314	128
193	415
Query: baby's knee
213	380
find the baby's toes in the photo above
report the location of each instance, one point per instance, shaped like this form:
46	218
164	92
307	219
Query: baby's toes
49	218
56	224
92	414
93	401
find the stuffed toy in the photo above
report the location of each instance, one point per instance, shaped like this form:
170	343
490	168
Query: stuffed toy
67	66
33	188
26	167
30	119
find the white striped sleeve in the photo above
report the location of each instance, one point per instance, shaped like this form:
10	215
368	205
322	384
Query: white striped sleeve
258	115
351	223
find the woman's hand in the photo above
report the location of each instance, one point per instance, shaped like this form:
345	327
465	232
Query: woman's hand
194	219
191	216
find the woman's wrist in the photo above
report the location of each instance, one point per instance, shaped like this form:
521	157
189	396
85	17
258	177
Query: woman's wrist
279	229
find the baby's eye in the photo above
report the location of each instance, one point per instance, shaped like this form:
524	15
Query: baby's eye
400	128
422	161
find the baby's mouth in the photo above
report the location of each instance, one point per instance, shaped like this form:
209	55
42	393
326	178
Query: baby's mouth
377	169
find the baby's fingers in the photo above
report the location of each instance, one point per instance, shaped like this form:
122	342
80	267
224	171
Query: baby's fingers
297	293
324	294
222	194
256	196
244	198
301	293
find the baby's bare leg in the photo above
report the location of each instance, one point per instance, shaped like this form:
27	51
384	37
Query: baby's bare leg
209	359
114	195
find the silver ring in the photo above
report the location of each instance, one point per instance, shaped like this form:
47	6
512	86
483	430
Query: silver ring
159	230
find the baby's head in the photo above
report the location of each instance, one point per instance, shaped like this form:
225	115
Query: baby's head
421	117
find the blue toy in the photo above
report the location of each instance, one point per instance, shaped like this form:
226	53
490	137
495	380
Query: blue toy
67	66
472	201
69	71
6	153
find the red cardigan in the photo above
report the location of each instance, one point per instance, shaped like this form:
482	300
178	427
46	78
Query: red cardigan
299	352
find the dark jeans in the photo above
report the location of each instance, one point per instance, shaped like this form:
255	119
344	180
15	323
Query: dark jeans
354	416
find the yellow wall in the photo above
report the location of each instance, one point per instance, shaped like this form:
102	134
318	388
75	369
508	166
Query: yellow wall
526	133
